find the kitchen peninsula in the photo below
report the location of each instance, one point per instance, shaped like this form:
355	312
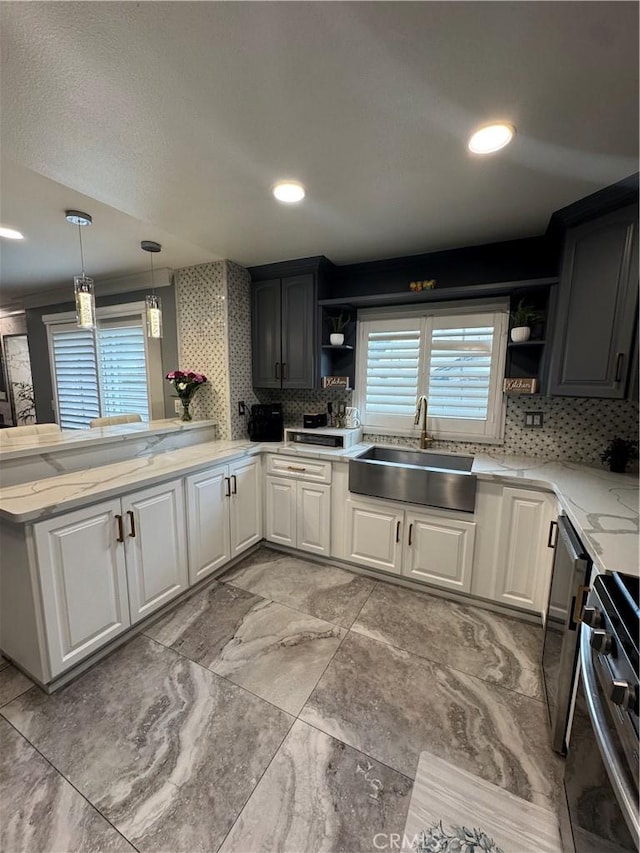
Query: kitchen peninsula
90	555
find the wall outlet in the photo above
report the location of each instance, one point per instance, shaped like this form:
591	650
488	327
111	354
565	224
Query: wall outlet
177	406
533	420
241	408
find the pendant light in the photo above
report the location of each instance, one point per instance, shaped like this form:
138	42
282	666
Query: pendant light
152	302
82	284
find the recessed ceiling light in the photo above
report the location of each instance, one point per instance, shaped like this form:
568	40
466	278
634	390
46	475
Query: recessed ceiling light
289	191
11	233
491	137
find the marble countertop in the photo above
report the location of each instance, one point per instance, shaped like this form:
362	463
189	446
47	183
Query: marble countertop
16	447
602	506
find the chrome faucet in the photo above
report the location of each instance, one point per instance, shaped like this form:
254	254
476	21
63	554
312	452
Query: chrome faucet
421	420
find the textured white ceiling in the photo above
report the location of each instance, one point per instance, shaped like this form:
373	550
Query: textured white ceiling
181	115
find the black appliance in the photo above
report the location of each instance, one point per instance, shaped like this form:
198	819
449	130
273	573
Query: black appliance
569	585
601	770
315	420
266	422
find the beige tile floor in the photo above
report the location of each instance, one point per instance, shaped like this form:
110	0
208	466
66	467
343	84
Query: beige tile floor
283	707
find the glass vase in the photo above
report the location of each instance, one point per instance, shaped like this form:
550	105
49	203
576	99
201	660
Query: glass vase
186	414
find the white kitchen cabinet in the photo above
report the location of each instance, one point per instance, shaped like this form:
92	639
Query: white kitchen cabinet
298	514
209	534
524	559
245	504
224	515
156	548
513	561
439	550
281	511
83	580
374	534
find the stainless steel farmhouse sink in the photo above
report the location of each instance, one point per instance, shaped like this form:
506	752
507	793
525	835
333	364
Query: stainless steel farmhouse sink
416	476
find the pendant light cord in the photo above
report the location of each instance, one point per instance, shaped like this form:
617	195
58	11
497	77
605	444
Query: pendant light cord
81	252
153	289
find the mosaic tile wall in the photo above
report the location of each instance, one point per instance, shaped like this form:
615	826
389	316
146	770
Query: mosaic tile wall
575	429
239	326
214	338
201	300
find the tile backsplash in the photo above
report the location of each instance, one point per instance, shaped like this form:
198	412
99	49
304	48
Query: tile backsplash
575	429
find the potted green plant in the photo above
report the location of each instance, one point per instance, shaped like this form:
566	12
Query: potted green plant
522	318
338	325
618	453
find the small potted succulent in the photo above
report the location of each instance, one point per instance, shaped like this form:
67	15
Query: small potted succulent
618	453
522	319
338	325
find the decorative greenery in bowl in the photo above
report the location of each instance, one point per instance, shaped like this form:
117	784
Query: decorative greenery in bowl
338	323
525	315
618	453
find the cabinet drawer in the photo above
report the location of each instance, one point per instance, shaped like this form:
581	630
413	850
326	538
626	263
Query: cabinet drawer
300	468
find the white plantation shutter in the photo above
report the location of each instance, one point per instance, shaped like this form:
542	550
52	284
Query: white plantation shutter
76	376
460	372
392	372
123	368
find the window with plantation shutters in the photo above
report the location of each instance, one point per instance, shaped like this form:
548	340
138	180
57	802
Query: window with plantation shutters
123	368
76	376
455	359
99	373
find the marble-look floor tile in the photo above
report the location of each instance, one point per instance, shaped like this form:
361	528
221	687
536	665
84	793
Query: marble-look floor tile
166	750
323	591
319	795
40	812
12	684
393	705
275	652
497	648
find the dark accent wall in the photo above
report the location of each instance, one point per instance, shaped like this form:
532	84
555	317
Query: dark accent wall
39	346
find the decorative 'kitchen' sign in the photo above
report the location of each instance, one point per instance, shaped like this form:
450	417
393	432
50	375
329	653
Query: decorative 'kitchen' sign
335	381
528	385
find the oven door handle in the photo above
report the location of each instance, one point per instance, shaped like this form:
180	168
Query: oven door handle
623	790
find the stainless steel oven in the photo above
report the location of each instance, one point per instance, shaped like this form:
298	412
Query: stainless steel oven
569	585
601	771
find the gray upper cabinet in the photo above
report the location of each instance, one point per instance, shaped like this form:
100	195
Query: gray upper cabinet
593	339
299	320
284	340
266	333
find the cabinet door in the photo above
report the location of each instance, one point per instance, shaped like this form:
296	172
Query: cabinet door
314	518
209	542
246	504
84	582
266	333
593	338
439	550
299	320
373	536
524	560
156	547
280	495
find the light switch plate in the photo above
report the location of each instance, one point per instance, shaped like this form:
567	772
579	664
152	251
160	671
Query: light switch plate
533	420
